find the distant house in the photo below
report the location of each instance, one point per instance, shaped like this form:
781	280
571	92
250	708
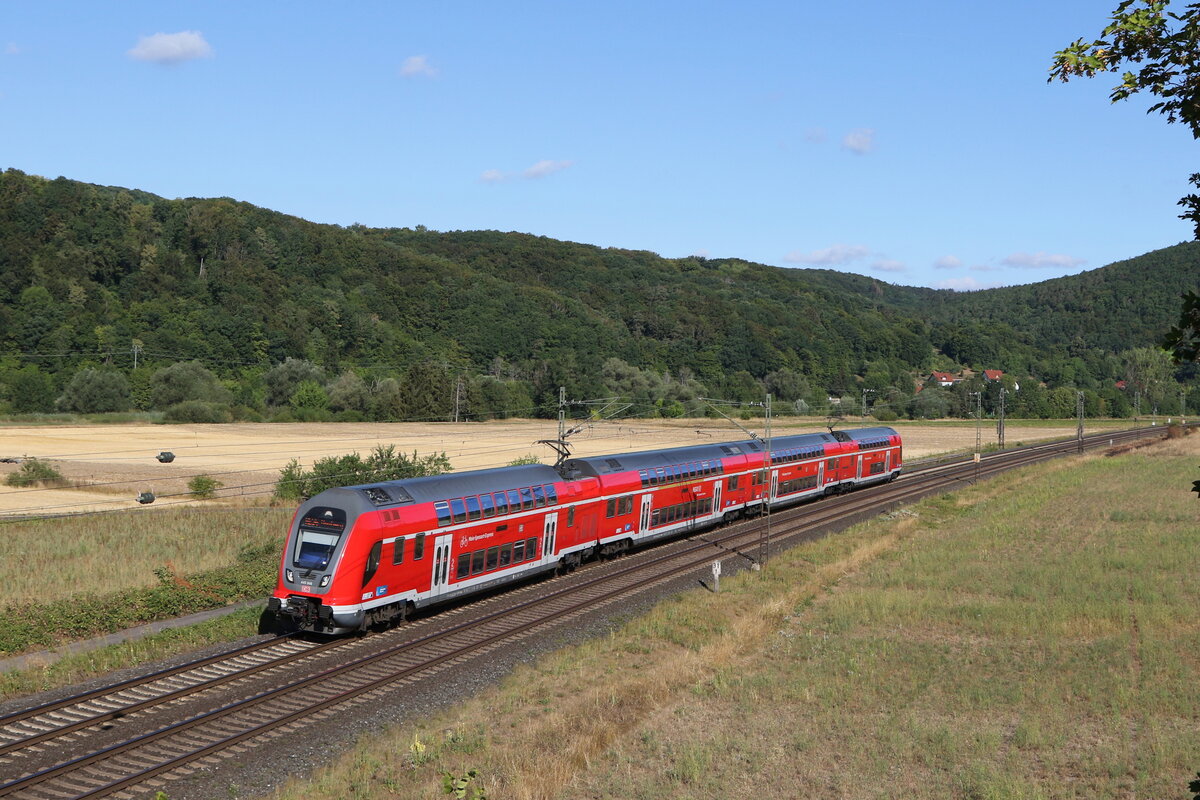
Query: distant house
1122	385
992	375
943	379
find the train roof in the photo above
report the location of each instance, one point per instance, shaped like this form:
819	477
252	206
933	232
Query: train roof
456	484
862	434
596	466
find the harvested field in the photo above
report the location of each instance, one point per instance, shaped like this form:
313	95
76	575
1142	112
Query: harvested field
109	465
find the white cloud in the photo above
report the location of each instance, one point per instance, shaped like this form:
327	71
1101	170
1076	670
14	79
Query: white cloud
860	141
889	265
417	67
1039	259
839	254
546	167
12	49
541	169
948	262
171	48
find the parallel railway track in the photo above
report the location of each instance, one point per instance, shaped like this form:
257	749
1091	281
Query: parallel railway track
124	740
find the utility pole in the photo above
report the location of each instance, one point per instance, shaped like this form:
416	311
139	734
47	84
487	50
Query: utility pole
1079	412
137	348
764	547
457	397
863	410
978	430
1000	419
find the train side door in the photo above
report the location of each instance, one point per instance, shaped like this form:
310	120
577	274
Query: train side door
644	518
441	564
549	534
774	484
821	473
716	504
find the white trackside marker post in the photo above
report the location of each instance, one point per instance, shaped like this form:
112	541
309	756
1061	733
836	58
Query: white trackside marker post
716	568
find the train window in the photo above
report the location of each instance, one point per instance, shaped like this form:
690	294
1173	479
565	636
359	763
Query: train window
625	506
372	562
645	478
501	503
477	562
551	495
493	558
831	464
419	547
531	548
473	512
506	555
489	508
398	551
654	515
514	501
571	516
660	475
443	512
539	497
610	510
518	552
526	498
459	509
464	566
732	482
314	549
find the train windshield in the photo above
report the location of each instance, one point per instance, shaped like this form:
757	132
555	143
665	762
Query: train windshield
320	531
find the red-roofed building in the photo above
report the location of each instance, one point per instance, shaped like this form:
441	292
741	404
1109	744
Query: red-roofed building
992	375
943	379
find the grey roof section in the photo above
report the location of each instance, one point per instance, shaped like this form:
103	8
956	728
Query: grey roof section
597	466
860	434
458	484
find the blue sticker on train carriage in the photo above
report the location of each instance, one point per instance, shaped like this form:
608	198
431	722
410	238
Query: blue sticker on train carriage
381	591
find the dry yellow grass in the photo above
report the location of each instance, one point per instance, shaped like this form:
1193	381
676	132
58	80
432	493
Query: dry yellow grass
116	462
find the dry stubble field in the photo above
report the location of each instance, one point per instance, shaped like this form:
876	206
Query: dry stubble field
110	464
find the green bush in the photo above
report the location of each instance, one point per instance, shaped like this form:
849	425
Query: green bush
384	464
885	415
36	472
204	487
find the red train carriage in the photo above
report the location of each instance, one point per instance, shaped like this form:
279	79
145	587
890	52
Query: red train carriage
364	555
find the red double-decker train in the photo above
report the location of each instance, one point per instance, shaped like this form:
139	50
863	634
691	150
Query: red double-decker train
361	556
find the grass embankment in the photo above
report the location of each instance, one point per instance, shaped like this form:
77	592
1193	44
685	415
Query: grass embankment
109	572
1031	637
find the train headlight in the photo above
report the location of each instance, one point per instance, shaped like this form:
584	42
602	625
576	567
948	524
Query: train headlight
324	581
291	576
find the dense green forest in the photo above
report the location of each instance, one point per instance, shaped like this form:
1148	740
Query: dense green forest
211	309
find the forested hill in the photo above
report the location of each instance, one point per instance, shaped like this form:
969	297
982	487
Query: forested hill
89	275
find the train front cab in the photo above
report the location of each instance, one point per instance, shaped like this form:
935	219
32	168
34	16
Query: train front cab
320	547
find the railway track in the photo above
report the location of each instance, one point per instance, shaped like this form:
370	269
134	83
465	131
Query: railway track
126	739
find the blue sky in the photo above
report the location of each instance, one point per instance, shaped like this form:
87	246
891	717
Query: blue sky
916	142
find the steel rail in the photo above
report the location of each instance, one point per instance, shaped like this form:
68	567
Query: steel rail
800	520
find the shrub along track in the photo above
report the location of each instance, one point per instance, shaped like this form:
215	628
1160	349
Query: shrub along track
127	738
